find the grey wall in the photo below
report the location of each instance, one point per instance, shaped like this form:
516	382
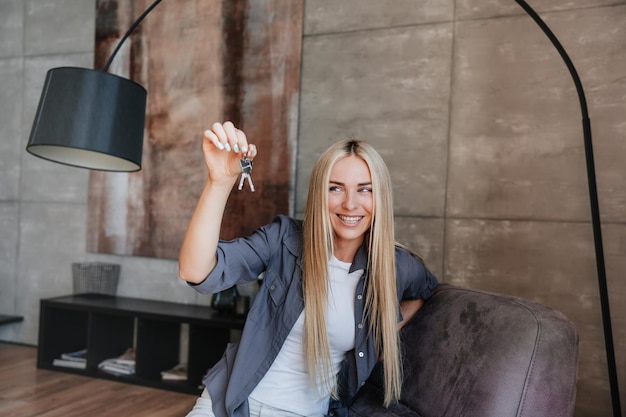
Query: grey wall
469	104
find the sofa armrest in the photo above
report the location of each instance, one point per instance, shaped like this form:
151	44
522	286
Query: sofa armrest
475	353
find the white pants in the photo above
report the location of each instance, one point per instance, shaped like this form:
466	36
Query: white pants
204	408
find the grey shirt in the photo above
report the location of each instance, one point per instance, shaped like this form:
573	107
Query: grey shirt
276	251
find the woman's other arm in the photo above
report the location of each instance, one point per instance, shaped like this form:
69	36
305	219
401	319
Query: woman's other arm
408	308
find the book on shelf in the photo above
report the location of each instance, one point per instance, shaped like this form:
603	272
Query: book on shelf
68	363
78	356
121	365
76	360
177	373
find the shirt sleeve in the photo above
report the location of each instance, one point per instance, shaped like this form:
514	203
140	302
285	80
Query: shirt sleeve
414	280
243	259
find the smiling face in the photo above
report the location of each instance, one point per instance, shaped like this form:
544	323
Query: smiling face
350	204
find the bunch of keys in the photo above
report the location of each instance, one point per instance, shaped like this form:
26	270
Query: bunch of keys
246	170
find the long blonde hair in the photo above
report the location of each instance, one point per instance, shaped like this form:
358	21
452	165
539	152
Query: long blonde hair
381	304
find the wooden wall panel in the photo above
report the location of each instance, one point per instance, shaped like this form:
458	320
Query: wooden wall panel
200	61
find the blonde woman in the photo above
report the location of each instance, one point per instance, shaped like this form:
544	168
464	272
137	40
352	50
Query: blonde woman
335	291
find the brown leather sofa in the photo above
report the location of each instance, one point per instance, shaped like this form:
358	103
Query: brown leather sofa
471	353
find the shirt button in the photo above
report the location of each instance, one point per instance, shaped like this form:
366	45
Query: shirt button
272	287
361	354
360	325
362	383
358	297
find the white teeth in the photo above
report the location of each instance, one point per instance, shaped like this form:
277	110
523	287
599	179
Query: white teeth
350	219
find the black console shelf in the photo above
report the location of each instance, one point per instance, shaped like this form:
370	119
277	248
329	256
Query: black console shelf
107	325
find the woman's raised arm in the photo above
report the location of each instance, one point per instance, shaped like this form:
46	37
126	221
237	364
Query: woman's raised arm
223	147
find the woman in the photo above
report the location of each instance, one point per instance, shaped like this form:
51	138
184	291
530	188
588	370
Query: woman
328	309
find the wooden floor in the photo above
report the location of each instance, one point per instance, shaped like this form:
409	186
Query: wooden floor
26	391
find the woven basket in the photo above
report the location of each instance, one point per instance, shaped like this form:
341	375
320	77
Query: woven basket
95	277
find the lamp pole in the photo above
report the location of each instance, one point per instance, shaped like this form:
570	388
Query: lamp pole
595	210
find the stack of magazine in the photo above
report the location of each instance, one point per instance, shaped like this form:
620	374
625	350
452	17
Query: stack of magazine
122	365
177	373
77	359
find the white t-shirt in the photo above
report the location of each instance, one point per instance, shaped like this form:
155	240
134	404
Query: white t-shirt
286	384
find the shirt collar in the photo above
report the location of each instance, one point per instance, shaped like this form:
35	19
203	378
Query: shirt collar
360	259
293	242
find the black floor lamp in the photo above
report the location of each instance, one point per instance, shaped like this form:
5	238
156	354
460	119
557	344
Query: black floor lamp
595	211
93	119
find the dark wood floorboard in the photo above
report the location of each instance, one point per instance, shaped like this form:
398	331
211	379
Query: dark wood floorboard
26	391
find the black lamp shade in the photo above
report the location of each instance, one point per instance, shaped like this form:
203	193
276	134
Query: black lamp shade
89	119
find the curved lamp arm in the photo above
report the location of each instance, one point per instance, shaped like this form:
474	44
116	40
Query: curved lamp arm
128	32
595	210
